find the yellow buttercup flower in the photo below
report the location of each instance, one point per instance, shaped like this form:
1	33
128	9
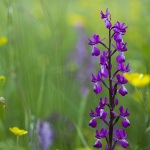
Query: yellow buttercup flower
3	40
138	80
17	131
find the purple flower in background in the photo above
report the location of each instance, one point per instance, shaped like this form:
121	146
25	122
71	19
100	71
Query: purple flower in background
121	138
82	61
45	134
111	77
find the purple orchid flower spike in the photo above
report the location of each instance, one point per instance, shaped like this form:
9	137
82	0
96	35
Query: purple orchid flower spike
111	77
121	138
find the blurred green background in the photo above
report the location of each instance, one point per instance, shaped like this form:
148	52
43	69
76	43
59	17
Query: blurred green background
41	81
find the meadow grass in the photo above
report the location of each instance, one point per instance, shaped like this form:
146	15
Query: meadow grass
38	82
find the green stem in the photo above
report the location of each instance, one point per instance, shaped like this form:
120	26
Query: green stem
17	140
110	95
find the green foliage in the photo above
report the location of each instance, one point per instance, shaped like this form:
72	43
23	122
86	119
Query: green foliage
41	34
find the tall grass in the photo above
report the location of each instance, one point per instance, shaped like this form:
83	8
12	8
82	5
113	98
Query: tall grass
34	62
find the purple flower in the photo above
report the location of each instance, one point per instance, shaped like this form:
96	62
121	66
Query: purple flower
106	77
93	123
118	37
97	78
98	144
97	88
103	58
120	58
123	114
121	138
45	134
121	46
121	67
105	18
123	91
125	122
108	23
95	51
104	71
96	40
81	63
118	27
103	133
100	135
121	79
93	79
99	113
102	103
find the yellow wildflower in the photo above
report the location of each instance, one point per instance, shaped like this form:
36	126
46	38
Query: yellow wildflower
138	80
17	131
3	40
2	79
76	20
